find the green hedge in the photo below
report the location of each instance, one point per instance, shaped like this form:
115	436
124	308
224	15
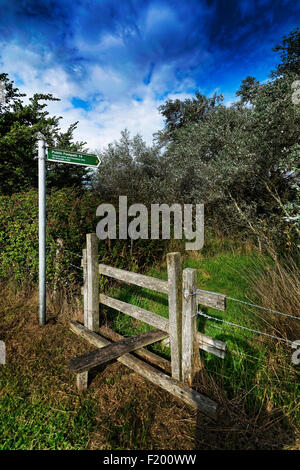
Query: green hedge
69	216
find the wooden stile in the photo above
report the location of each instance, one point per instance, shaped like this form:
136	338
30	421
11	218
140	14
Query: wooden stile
145	354
136	312
82	381
85	287
206	343
180	327
211	345
92	282
211	299
90	295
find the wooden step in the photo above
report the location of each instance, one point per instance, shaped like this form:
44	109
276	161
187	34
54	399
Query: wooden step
113	351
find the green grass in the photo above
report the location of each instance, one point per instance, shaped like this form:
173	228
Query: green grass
36	412
27	424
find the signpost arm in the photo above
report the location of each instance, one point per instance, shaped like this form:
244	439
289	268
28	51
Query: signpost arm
42	230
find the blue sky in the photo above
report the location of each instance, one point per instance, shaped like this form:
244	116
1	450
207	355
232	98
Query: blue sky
112	63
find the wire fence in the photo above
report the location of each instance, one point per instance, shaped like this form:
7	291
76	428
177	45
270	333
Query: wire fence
252	330
77	267
244	327
264	308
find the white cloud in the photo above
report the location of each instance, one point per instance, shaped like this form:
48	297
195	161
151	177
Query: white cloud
116	108
104	123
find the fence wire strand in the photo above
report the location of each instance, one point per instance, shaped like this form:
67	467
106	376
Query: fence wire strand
77	267
250	304
72	253
244	327
264	308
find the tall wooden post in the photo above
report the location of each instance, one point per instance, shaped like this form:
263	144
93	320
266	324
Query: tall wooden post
85	287
175	312
90	295
92	282
57	264
190	348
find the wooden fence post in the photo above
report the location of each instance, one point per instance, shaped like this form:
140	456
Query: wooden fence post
189	325
82	381
90	296
57	264
175	312
92	282
85	287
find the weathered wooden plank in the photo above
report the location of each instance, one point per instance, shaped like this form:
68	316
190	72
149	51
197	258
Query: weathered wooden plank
185	393
206	343
92	282
85	287
136	312
215	343
149	356
113	351
211	345
82	381
175	312
135	278
189	326
211	299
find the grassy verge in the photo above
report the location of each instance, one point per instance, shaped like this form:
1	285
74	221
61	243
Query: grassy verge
39	408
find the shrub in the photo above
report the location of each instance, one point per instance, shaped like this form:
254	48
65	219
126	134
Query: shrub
70	216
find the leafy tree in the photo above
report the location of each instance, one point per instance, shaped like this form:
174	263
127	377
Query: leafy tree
178	113
130	168
240	160
248	91
289	50
19	126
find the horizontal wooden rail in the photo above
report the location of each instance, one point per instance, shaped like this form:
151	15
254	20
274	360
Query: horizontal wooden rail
211	299
134	278
136	312
211	345
185	393
206	343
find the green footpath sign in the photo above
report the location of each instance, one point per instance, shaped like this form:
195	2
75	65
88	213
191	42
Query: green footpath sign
75	158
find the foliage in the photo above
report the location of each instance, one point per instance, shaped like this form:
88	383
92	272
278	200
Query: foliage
257	371
131	168
289	50
237	158
178	113
19	126
70	216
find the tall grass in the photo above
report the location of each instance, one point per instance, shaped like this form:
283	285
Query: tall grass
278	288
